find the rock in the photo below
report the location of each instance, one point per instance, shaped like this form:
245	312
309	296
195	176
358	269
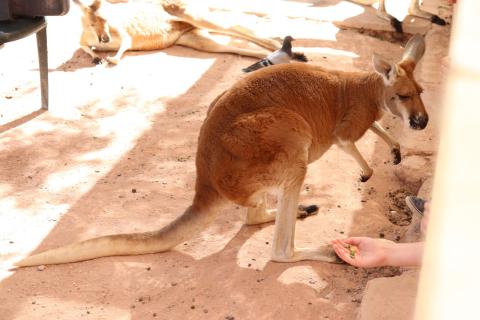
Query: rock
390	298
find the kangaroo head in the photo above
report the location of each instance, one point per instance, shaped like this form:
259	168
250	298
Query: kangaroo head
402	92
93	20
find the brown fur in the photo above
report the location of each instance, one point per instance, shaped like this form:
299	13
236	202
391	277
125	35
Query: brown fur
152	26
259	137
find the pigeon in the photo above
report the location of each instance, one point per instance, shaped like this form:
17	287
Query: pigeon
282	55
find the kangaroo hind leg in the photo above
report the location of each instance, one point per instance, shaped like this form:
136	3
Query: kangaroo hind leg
200	40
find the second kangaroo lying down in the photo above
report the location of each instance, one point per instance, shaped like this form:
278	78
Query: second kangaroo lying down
260	135
153	26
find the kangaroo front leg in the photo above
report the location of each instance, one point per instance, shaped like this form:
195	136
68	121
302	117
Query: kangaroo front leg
414	10
394	22
284	237
125	44
392	143
350	148
96	58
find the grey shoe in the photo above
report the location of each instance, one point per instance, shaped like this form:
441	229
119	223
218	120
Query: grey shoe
415	204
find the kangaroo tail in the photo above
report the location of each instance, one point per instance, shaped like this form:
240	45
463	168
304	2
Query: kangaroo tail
192	221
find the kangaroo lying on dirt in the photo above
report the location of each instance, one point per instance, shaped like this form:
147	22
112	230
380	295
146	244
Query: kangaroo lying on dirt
413	9
260	135
152	26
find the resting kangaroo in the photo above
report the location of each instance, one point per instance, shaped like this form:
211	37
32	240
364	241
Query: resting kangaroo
260	135
413	9
152	26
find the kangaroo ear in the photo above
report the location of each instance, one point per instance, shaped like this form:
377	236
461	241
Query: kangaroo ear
95	5
382	67
414	49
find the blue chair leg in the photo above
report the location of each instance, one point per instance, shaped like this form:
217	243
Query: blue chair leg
43	64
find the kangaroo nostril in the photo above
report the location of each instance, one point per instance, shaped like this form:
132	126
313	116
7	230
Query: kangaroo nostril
418	122
423	122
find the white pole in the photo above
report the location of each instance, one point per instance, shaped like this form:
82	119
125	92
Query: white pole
450	278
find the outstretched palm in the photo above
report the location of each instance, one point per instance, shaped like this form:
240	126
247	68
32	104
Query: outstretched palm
362	251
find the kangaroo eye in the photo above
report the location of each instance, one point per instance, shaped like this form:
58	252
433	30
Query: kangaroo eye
403	98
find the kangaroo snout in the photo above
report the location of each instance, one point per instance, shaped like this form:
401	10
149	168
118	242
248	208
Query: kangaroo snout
104	38
418	122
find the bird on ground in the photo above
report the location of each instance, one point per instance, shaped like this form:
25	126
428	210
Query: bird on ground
282	55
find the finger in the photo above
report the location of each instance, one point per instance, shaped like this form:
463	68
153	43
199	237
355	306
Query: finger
344	254
341	251
350	241
339	242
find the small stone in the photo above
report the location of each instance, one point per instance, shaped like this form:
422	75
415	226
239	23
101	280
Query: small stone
134	190
381	235
149	268
192	307
41	268
205	311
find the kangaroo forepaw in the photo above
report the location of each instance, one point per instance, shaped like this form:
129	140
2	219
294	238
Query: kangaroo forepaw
113	60
365	177
397	156
307	211
396	24
437	20
98	60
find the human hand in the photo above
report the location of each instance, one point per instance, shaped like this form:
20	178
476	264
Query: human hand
363	251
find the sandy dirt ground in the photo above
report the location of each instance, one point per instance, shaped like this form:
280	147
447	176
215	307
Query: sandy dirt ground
115	153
